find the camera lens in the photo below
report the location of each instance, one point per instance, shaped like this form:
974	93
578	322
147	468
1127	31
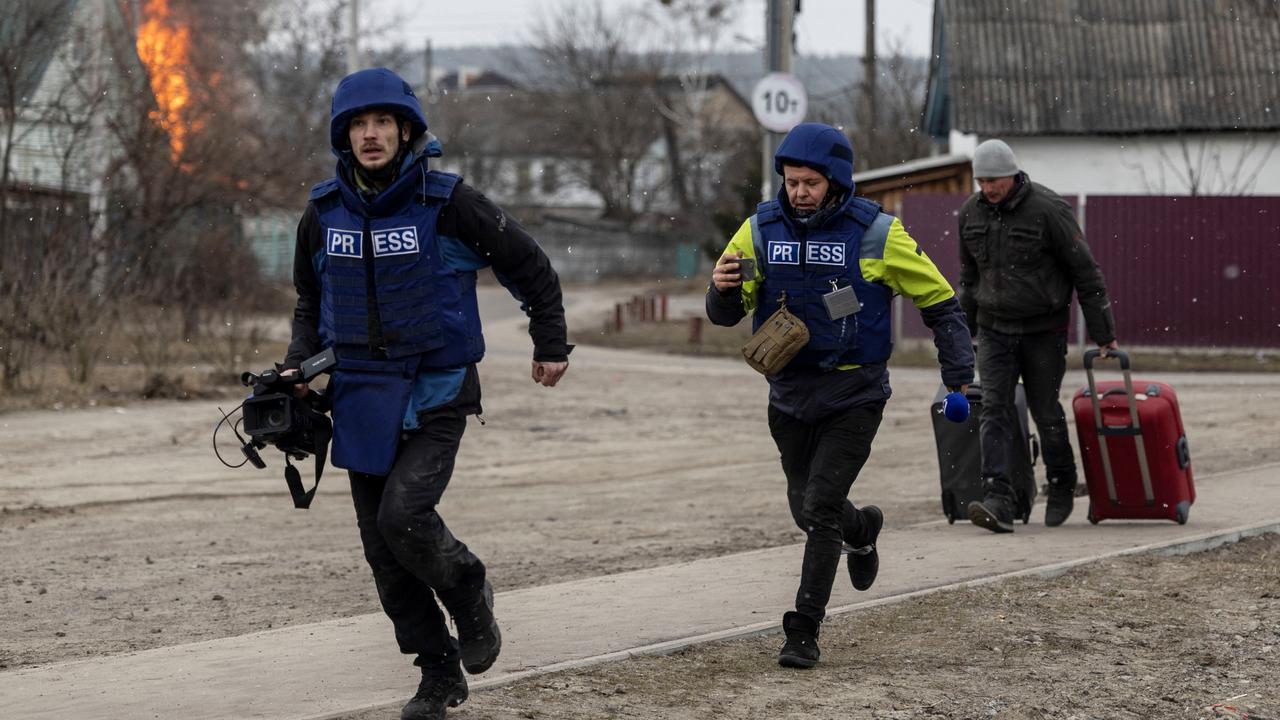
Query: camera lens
275	418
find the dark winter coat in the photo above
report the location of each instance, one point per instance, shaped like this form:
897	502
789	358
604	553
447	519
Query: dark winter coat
1021	260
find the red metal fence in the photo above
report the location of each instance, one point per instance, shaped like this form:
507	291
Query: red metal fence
1181	271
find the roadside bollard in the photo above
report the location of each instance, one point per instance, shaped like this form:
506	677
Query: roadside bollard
695	330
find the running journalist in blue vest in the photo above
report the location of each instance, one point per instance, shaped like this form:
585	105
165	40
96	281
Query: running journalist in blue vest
385	270
824	264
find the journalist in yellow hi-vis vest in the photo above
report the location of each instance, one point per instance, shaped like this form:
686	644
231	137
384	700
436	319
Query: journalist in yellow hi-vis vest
817	269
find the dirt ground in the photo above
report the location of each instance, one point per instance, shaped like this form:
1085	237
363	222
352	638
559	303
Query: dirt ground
1139	637
120	532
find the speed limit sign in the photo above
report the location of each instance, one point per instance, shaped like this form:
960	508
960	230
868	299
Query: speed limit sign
779	101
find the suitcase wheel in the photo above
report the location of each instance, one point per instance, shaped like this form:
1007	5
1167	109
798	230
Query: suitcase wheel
1181	512
1092	519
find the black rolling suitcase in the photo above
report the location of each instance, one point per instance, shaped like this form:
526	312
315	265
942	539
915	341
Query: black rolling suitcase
960	457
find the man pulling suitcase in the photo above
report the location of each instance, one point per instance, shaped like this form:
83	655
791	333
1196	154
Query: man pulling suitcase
1022	255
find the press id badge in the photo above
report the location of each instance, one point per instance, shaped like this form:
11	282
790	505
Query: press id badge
841	301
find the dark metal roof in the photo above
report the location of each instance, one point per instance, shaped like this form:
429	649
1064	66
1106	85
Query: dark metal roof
1030	67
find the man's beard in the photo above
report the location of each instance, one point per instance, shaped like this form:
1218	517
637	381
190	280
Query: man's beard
387	172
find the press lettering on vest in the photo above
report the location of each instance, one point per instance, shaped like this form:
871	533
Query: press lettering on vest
784	253
395	241
825	253
345	243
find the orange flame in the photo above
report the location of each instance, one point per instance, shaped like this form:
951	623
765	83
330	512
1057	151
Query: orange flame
164	47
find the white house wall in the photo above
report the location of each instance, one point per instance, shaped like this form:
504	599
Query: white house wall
44	149
565	190
1224	164
501	182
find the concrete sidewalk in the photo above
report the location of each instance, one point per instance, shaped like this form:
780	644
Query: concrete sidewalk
336	667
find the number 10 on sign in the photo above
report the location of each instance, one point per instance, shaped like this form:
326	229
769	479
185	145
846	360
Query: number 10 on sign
779	102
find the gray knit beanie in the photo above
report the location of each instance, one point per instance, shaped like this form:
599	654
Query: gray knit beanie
993	159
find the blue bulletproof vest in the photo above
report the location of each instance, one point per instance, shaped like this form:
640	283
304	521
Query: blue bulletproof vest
426	308
803	263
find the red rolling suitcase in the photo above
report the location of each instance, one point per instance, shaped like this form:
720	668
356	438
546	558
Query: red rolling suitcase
1133	447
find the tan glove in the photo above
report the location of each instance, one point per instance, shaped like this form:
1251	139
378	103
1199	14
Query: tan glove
776	342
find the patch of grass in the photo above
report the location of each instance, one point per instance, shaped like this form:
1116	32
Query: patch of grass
671	336
121	378
674	336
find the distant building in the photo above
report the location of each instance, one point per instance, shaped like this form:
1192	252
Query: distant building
501	137
473	80
1117	97
889	185
58	151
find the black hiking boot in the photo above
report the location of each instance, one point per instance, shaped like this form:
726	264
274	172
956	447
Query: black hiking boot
1062	495
864	562
801	648
436	692
996	510
479	639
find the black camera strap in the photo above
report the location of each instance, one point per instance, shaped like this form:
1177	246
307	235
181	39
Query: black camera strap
292	478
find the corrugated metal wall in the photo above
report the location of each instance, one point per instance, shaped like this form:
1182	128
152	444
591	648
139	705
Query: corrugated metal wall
1181	271
1197	271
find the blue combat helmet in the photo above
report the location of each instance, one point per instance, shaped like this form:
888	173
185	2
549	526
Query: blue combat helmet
820	147
373	89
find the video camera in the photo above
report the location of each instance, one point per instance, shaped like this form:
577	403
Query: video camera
273	415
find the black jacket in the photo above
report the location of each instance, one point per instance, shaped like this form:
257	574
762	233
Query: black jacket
1021	260
487	231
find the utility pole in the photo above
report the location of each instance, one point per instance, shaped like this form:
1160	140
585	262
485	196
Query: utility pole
779	23
354	61
869	78
429	66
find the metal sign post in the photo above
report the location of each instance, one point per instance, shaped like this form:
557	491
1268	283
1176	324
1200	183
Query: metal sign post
779	26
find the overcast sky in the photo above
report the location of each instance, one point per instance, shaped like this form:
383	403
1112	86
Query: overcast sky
822	27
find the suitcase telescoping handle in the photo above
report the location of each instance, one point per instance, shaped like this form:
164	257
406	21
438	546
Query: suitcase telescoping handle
1134	428
1122	356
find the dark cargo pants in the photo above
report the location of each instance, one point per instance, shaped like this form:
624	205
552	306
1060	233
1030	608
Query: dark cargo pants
1040	360
413	555
821	460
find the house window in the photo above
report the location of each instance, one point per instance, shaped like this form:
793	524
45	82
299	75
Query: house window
524	178
549	182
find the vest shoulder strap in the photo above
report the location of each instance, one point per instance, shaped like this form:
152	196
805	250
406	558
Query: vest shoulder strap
768	211
438	184
321	189
862	210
